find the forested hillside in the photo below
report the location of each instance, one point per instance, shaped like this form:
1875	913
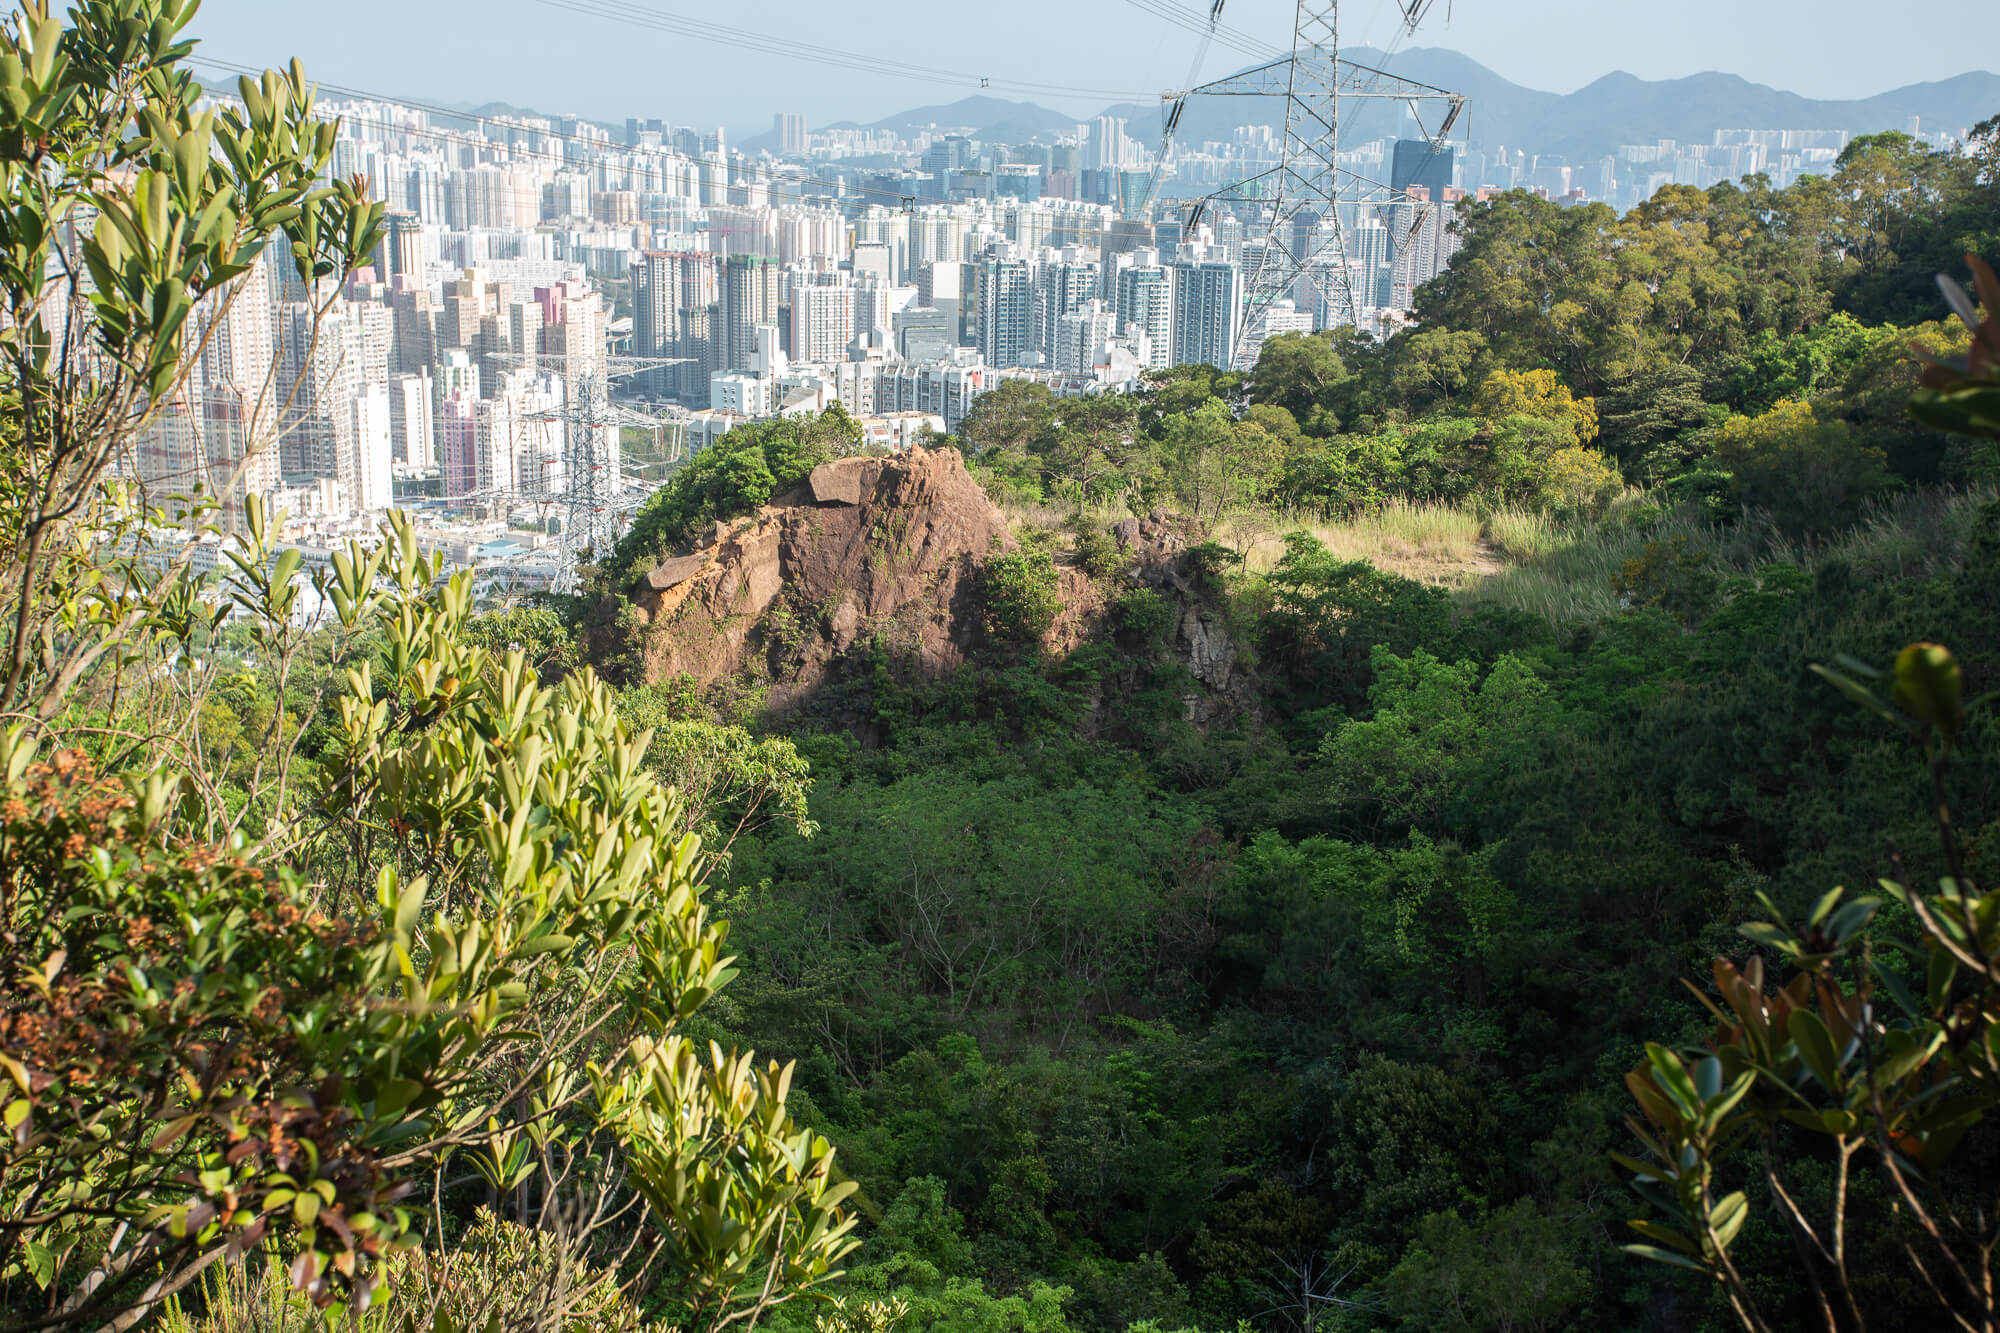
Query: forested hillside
1225	857
1317	1016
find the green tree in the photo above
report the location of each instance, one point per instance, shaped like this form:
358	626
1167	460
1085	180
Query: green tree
1538	394
1296	371
1797	367
1018	591
732	783
1810	475
1435	366
1092	453
1503	1271
735	476
1436	726
1010	418
492	926
1875	1062
1408	1141
439	912
536	632
1653	423
1217	463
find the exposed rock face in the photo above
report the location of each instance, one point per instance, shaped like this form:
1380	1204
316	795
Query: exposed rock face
894	546
1201	636
867	544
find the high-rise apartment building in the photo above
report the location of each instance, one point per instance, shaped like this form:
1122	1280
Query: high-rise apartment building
458	442
168	453
1370	264
874	259
1207	312
1145	310
790	129
952	152
1005	299
374	449
405	248
415	329
1419	162
412	419
1061	288
749	298
823	321
1107	148
328	362
924	333
941	285
656	312
1080	334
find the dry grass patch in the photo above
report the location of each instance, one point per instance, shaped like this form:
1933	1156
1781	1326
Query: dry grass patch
1438	544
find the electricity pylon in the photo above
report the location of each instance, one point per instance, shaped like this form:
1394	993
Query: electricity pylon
1308	196
594	495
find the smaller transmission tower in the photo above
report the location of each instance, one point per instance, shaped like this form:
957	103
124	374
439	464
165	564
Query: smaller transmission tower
594	496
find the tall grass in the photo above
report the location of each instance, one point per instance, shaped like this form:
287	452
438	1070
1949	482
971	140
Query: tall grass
1433	543
1562	570
1569	582
251	1297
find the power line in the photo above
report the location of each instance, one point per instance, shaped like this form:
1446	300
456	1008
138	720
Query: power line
623	11
1234	38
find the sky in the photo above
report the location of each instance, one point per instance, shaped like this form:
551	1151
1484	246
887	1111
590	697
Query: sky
1072	55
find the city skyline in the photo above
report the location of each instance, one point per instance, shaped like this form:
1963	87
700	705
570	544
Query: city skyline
550	282
1112	51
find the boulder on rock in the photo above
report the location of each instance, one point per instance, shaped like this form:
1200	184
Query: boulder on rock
838	482
673	573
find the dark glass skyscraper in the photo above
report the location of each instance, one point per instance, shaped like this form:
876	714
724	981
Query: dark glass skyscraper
1418	163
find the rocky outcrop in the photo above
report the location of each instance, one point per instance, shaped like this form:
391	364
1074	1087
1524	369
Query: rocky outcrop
1201	636
865	545
893	547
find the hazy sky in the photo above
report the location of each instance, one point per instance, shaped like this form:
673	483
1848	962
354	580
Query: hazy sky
532	53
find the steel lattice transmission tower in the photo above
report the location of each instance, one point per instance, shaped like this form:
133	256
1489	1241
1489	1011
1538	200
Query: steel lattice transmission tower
1308	197
595	495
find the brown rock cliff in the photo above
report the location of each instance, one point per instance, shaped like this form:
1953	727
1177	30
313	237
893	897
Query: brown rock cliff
893	546
866	544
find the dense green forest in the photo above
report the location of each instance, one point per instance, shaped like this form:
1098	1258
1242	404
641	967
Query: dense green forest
399	967
1318	1019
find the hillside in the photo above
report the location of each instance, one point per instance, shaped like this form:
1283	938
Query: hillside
1489	830
1616	109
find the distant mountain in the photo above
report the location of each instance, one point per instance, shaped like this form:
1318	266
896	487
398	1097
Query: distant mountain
466	112
1583	125
1621	108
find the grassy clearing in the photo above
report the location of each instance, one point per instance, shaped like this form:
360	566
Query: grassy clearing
1563	570
1435	544
1568	583
1444	545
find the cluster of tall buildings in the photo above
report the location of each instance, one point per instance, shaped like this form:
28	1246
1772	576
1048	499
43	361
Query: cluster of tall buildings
472	358
324	399
1634	173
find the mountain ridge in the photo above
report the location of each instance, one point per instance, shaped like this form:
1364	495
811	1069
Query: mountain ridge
1616	108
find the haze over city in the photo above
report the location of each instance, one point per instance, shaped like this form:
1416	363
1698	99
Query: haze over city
603	60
